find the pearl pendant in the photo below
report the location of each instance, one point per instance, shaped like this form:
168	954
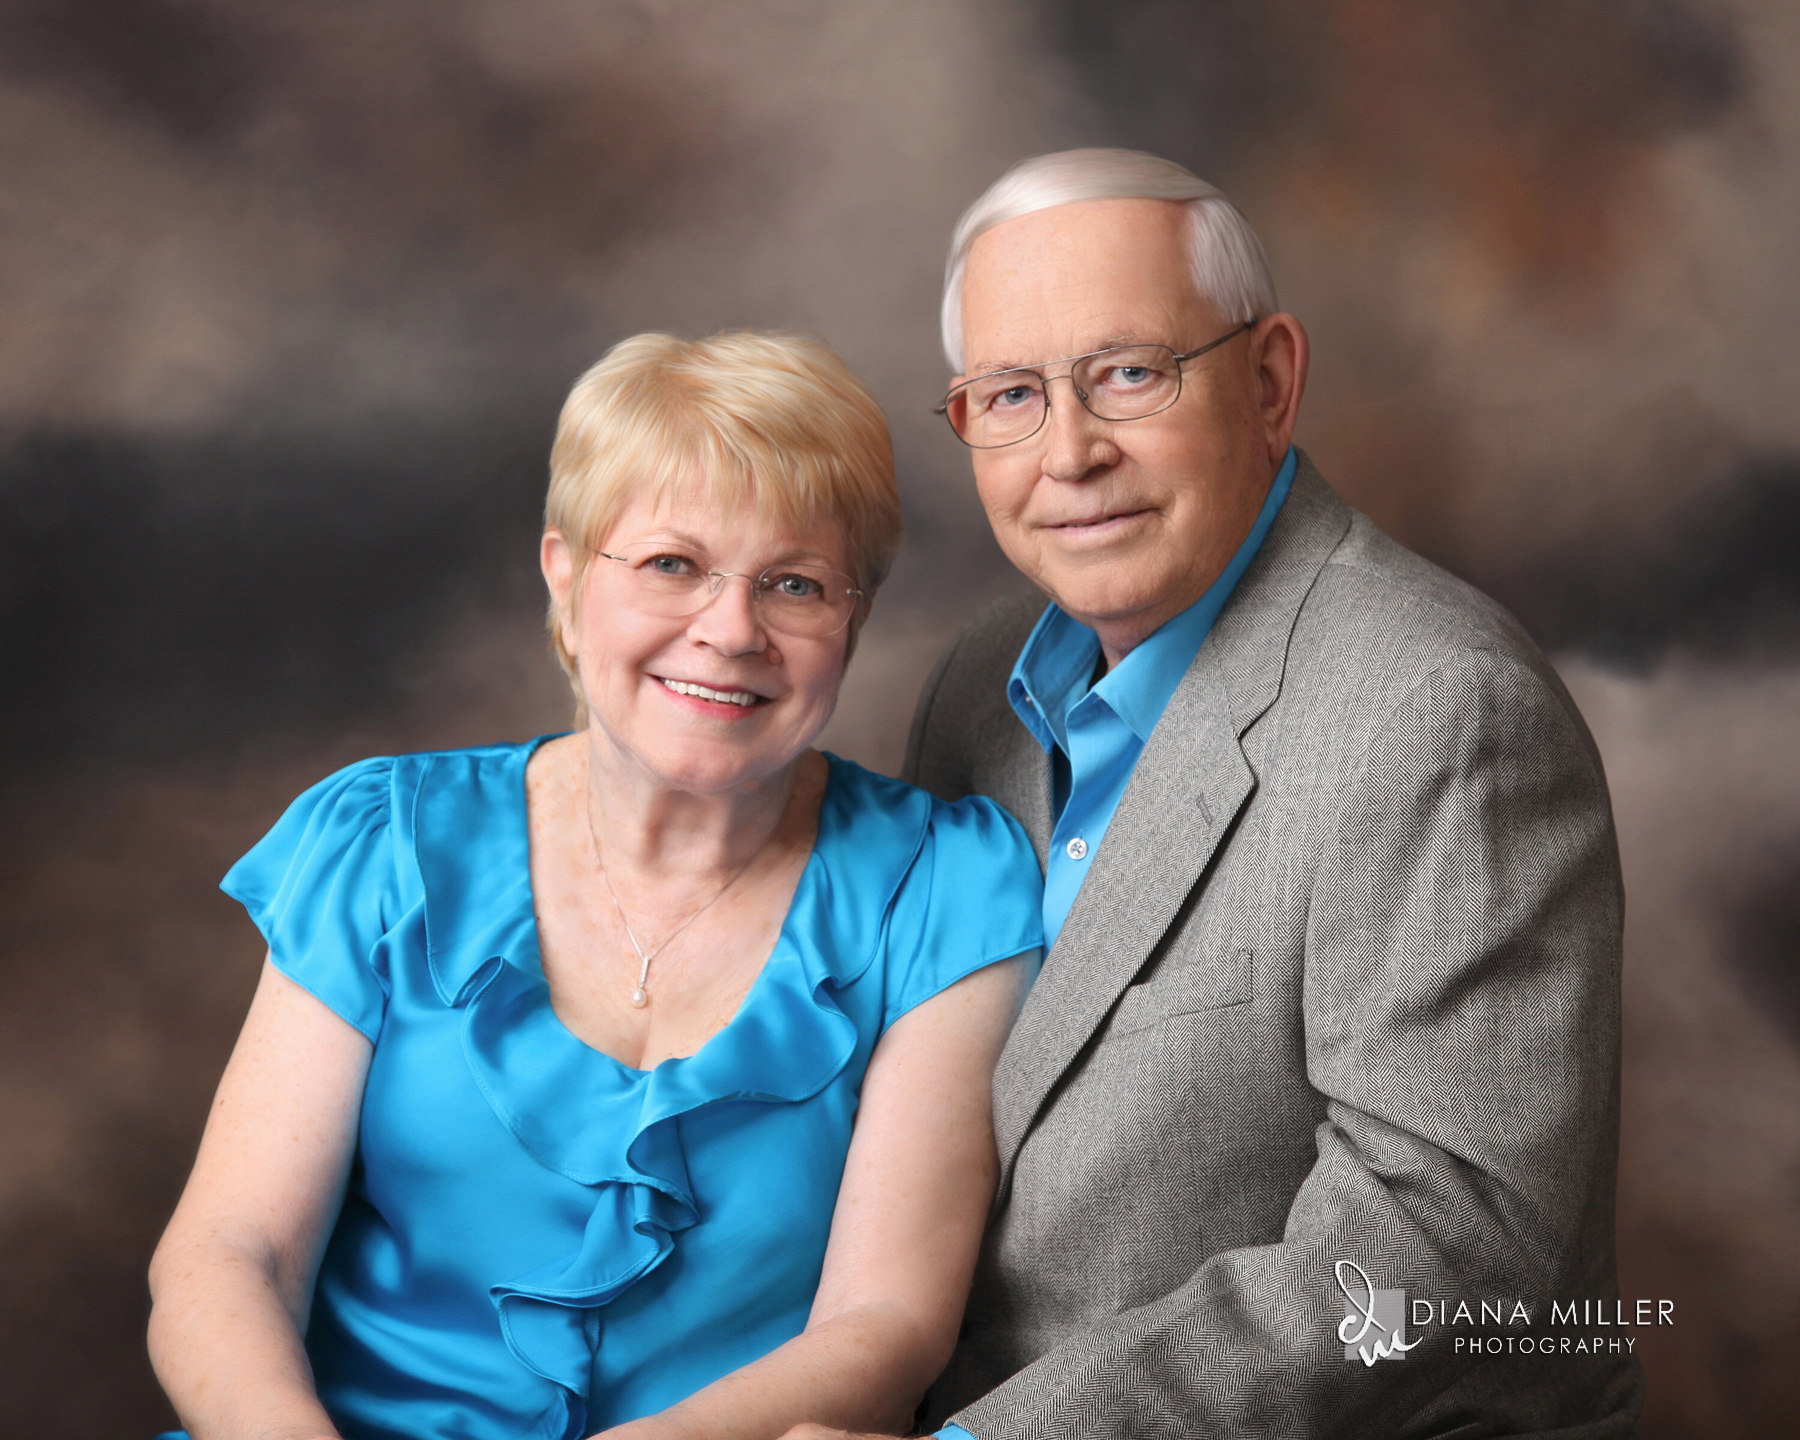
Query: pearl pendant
639	999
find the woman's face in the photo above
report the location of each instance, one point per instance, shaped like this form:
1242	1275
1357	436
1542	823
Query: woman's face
641	672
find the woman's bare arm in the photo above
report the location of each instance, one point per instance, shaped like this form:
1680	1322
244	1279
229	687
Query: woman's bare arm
917	1185
231	1282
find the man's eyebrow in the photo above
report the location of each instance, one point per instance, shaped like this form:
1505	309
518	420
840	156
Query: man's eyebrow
1112	343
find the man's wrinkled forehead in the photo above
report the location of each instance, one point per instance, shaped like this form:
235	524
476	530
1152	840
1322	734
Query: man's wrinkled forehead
1076	278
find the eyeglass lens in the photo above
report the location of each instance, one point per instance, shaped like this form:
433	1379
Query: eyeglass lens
796	598
1125	383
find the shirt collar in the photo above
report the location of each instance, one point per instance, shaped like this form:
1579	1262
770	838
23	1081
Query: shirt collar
1054	669
1052	673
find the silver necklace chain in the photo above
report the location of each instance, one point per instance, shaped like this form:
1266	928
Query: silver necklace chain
640	997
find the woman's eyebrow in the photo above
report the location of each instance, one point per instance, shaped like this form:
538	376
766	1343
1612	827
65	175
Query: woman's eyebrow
682	538
668	537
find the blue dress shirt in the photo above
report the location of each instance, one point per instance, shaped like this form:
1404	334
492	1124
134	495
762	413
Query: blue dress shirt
1095	731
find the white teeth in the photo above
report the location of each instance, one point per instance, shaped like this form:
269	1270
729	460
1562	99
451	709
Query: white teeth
727	697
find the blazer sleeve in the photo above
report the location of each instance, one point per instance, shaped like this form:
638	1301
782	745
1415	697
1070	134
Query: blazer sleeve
1460	1012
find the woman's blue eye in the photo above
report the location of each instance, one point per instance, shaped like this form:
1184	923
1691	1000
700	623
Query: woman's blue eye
795	587
669	565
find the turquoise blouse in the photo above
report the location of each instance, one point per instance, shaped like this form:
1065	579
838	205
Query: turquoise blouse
538	1240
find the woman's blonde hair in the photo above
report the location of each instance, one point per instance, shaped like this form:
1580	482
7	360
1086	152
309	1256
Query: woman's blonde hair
775	422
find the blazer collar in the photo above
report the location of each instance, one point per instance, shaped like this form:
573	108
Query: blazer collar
1250	638
1184	795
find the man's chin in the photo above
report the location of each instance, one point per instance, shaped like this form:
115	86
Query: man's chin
1099	607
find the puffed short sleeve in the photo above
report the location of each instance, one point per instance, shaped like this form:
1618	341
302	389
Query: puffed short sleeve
322	886
974	896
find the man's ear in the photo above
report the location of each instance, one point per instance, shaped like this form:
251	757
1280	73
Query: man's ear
1283	353
557	561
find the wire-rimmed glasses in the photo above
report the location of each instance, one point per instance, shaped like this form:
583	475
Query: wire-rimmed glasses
1123	382
793	597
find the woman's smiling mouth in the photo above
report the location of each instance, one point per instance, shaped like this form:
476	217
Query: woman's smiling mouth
706	692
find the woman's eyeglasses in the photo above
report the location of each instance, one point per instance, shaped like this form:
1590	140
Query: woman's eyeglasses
792	597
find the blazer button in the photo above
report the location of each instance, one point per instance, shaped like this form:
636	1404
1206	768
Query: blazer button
1077	849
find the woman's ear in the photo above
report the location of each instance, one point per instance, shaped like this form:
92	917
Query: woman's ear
557	561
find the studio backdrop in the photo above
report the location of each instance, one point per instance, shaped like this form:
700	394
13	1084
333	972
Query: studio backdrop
290	296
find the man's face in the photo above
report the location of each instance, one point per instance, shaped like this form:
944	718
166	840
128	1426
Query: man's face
1124	524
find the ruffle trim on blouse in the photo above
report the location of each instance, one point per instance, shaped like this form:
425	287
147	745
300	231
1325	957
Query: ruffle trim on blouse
581	1113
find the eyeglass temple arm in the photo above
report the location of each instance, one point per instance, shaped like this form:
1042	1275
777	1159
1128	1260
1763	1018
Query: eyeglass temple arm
1249	324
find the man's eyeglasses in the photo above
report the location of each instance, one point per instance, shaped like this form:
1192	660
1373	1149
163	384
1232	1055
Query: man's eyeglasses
1126	382
796	599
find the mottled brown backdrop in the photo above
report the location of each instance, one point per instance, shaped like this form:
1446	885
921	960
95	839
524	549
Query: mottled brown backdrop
290	294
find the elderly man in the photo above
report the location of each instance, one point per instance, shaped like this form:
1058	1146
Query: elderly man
1326	1045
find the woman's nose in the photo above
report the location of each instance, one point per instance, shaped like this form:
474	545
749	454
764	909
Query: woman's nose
731	621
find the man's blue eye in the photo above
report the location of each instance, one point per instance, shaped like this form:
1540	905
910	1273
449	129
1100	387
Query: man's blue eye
1014	395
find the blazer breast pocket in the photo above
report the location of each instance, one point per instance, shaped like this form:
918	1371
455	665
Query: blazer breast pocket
1185	984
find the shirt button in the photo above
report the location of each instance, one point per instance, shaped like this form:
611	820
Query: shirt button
1078	849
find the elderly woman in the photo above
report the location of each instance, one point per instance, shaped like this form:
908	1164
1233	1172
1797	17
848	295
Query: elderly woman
634	1080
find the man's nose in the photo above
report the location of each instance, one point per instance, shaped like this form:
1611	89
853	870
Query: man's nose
731	621
1077	442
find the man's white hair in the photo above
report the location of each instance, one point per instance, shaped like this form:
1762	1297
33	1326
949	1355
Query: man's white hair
1229	266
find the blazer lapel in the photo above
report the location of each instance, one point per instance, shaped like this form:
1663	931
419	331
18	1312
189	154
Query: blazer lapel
1184	795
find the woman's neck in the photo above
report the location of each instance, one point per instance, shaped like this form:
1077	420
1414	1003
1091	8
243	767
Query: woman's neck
641	823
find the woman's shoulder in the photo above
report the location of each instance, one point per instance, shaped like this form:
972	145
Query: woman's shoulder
943	855
347	863
370	810
967	890
377	787
973	829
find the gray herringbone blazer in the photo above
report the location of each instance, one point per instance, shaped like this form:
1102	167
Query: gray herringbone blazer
1341	983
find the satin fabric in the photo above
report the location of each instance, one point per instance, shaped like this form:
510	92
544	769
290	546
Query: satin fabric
538	1240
